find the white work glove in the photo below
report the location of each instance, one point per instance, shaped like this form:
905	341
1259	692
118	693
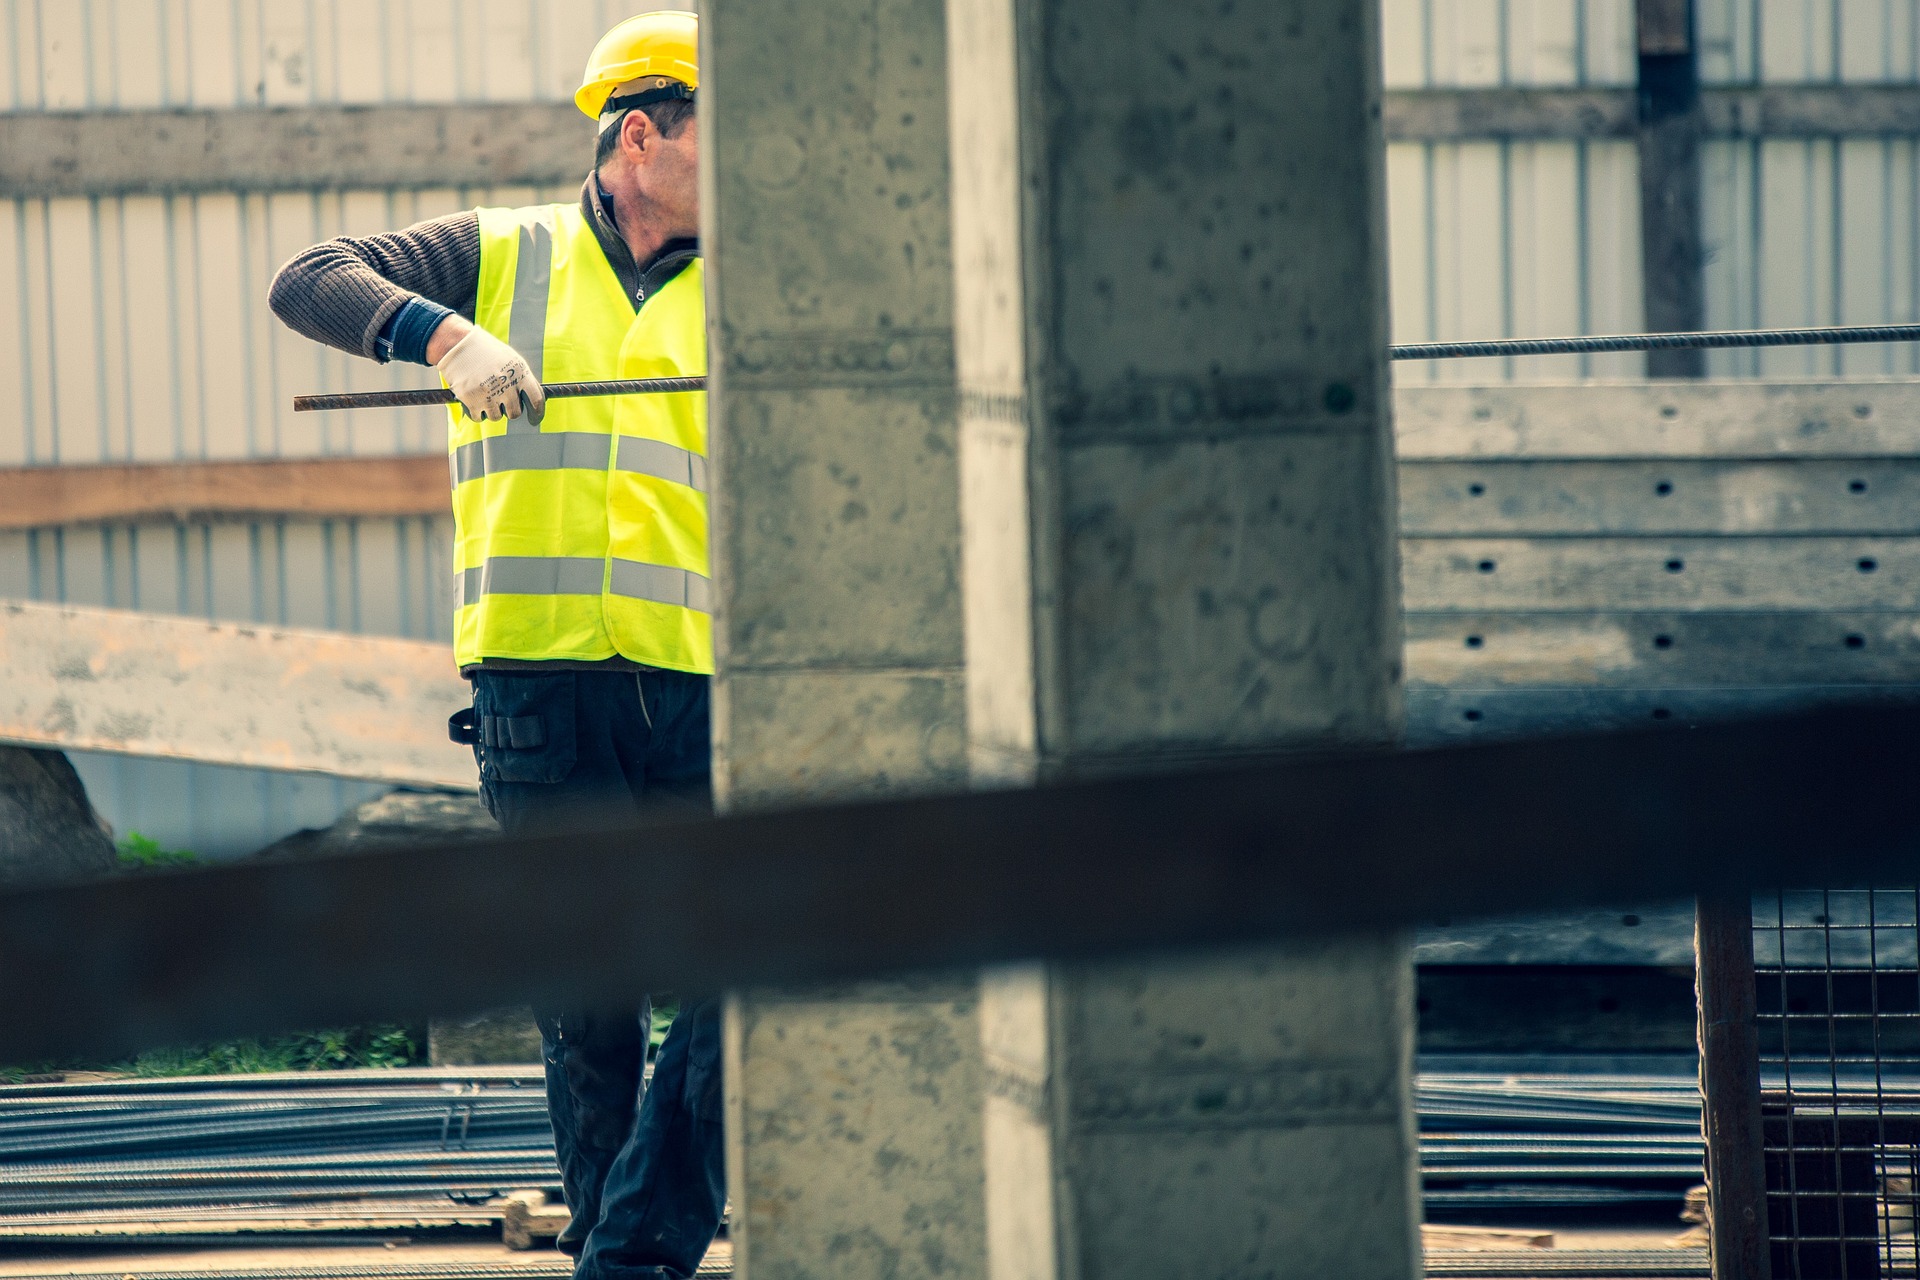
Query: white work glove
492	380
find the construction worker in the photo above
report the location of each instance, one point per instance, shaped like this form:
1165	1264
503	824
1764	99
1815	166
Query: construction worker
581	576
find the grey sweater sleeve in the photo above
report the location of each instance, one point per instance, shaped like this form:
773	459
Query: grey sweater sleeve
342	292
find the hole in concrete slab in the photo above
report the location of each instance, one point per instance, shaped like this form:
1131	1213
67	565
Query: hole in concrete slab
1474	642
1664	488
1856	486
1669	411
1470	714
1486	566
1475	490
1630	920
1675	566
1856	641
1663	642
1661	713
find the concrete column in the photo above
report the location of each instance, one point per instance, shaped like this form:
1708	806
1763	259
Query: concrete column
1178	515
853	1114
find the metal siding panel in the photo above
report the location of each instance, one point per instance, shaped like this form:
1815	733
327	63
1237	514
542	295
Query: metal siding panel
153	369
1467	46
72	292
212	58
14	353
1796	40
1727	40
1470	252
112	327
1612	249
288	58
1728	232
223	369
1609	55
1545	221
430	31
65	65
41	414
1407	231
1543	42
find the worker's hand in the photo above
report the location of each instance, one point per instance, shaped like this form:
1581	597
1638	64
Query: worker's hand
491	380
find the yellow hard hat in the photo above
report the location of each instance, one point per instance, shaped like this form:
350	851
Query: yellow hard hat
662	48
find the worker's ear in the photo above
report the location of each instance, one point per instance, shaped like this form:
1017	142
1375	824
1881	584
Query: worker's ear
637	133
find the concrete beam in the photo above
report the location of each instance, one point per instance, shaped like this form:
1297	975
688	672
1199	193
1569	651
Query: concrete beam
1177	501
261	697
837	545
62	153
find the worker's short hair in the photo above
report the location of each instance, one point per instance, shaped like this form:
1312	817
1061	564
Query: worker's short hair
669	117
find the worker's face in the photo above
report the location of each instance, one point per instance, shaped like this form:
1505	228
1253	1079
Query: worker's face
666	170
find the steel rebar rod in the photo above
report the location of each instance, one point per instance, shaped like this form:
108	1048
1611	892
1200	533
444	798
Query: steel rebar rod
440	395
1713	339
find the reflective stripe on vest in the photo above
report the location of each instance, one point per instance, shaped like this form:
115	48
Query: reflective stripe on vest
570	541
585	450
583	576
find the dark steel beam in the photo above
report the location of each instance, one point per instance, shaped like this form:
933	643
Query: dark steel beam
1672	256
1208	858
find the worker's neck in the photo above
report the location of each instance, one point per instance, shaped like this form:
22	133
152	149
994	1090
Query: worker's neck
641	224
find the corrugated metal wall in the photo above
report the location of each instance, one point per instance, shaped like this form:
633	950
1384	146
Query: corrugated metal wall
1529	238
140	333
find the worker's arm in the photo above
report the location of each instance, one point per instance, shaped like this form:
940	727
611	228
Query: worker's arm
352	291
409	295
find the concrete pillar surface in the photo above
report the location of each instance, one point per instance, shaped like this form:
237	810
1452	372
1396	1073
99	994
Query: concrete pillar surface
854	1113
1178	519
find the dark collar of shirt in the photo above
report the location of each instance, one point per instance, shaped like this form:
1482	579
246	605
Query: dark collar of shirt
639	281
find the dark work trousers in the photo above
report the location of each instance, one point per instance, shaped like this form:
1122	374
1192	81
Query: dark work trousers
643	1168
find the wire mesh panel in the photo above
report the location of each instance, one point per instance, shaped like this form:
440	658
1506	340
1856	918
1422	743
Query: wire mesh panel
1837	980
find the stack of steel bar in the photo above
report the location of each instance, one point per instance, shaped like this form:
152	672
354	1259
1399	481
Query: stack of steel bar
1535	1140
414	1149
419	1149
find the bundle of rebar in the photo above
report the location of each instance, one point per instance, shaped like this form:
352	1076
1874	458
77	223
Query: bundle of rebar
445	1136
1522	1139
461	1138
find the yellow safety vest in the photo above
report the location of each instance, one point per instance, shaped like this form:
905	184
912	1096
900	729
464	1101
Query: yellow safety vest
584	538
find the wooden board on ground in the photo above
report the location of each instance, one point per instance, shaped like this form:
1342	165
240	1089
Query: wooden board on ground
263	697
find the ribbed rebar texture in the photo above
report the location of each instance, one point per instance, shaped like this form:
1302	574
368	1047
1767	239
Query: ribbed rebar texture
1709	339
554	390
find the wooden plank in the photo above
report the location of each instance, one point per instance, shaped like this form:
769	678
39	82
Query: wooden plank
1725	419
40	497
291	148
1494	574
1666	650
178	688
1673	497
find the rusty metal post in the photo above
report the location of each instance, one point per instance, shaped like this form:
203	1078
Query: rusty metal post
1730	1088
